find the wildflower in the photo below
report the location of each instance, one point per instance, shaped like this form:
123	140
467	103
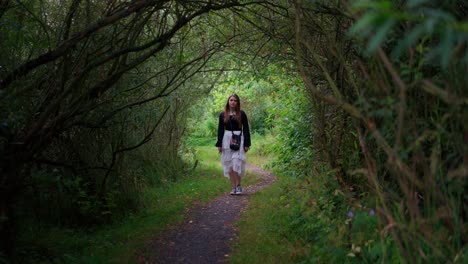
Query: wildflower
350	214
371	212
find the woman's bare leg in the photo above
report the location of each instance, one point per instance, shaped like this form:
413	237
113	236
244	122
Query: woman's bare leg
238	179
233	178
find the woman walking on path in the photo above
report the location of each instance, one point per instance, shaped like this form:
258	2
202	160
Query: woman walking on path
233	121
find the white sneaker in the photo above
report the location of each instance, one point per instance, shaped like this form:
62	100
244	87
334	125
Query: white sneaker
233	191
239	189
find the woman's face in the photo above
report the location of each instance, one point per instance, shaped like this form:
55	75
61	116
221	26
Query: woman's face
232	102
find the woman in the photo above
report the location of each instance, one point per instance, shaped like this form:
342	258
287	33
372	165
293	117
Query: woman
233	121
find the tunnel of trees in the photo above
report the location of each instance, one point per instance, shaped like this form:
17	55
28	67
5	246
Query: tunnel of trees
93	93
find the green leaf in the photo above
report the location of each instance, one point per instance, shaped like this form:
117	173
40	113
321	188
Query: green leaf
430	25
363	4
409	40
384	5
465	59
364	25
380	35
439	15
415	3
446	47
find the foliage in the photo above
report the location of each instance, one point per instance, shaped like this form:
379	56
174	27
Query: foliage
398	112
293	125
437	31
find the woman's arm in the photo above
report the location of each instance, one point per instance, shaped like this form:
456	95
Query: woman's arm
246	130
219	143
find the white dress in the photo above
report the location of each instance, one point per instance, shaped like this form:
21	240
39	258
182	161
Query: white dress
233	160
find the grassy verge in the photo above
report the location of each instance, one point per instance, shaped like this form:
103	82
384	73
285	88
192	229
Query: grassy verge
122	242
308	220
262	228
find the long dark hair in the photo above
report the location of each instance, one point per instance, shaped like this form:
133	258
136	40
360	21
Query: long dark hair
237	110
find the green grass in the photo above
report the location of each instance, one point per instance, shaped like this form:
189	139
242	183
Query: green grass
124	241
261	230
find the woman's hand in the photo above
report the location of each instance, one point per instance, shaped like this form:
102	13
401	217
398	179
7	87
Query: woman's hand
220	150
246	149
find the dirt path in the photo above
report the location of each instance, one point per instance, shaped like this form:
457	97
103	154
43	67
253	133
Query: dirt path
207	229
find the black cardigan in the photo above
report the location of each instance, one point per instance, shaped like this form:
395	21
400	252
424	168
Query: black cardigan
233	126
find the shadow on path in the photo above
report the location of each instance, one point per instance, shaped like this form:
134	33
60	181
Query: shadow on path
207	229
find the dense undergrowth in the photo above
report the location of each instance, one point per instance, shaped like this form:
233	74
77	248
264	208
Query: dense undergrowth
311	220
